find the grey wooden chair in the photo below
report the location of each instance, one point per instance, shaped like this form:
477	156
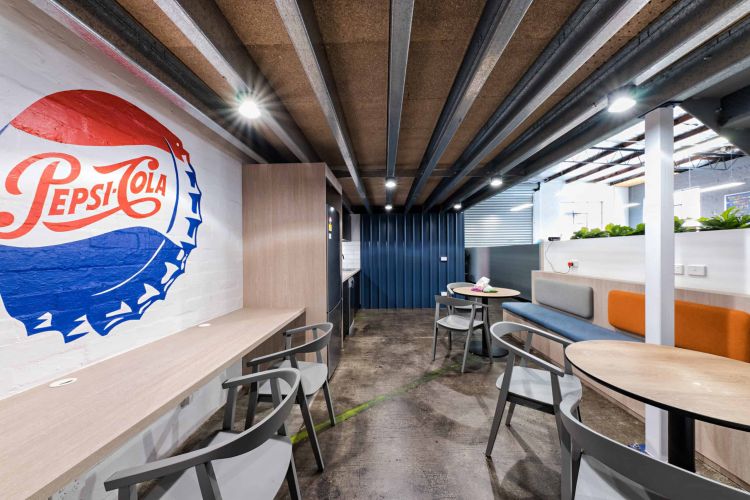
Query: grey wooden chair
232	465
539	388
451	293
314	378
607	469
454	322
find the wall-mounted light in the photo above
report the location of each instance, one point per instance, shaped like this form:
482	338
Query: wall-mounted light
719	187
249	109
457	206
621	99
390	183
496	182
518	208
388	207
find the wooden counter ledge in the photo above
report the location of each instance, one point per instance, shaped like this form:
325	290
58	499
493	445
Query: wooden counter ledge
51	436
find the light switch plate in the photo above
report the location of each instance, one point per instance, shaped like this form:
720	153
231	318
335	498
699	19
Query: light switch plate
444	294
696	270
679	269
443	259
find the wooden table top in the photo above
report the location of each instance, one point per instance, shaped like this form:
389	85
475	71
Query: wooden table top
51	436
501	293
706	387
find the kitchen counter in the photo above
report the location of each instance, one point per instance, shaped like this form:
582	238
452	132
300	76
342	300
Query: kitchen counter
348	273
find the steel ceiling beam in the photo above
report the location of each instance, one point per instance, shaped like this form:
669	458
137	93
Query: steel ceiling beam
639	138
701	157
301	25
583	125
109	28
398	54
497	24
205	26
582	36
725	117
677	139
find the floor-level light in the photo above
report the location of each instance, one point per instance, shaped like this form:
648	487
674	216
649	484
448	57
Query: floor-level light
249	109
388	207
621	100
518	208
390	183
496	182
719	187
457	206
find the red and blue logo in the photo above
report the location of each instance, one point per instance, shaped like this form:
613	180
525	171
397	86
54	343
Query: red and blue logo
99	211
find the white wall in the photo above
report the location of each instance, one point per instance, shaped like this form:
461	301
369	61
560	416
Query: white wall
726	255
555	200
39	58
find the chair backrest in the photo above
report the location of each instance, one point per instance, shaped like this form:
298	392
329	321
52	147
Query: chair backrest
457	284
502	332
321	338
657	477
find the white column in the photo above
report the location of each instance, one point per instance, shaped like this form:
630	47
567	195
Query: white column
658	214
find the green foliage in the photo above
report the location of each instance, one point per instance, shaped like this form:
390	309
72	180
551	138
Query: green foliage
728	219
586	233
615	230
678	225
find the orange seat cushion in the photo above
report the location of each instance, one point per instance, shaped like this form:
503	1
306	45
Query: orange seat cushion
715	330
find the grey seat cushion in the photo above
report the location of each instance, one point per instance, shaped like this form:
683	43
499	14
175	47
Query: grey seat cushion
597	481
535	384
567	297
566	325
257	474
455	322
313	376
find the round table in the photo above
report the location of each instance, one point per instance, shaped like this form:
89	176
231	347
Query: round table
477	346
690	385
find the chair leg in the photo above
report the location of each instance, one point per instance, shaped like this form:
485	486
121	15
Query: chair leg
510	414
450	340
466	350
207	481
499	409
252	405
329	402
434	342
291	480
310	426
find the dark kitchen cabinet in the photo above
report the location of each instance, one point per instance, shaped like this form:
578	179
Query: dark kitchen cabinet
346	223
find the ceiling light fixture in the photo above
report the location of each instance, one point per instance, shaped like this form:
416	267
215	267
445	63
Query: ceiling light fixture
518	208
388	207
621	100
457	206
496	182
249	109
631	205
390	183
719	187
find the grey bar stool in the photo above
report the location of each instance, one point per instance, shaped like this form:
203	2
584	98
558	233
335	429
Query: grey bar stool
232	464
607	469
454	322
539	388
314	378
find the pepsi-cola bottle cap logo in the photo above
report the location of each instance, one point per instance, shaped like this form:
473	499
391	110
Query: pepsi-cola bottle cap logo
100	210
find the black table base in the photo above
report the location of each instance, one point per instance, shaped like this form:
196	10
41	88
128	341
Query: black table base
477	347
681	441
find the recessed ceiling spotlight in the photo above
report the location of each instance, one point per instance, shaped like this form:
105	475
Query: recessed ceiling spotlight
249	109
621	100
390	183
496	182
388	207
457	206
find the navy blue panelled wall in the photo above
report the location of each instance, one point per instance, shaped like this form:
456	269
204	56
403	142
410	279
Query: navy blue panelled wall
401	258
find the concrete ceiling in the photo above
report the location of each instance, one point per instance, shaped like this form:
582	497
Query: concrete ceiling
355	39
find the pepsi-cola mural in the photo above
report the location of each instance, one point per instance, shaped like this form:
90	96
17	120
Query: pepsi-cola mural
99	212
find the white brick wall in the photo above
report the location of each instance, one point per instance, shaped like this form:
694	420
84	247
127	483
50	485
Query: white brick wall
41	57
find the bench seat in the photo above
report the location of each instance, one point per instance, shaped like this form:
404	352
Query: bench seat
565	325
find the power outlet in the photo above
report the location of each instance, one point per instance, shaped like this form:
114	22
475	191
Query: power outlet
679	269
444	294
573	264
696	270
443	259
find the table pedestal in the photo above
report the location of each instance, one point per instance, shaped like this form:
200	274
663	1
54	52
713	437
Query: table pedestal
681	441
479	347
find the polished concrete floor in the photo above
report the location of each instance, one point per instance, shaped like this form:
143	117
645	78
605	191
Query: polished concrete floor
415	429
